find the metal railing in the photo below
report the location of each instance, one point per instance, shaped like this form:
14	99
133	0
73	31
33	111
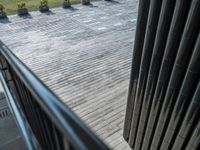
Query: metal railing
45	121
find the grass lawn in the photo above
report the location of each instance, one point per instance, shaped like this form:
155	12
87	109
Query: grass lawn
32	5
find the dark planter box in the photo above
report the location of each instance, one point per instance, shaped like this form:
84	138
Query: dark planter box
66	4
85	2
2	15
43	8
22	11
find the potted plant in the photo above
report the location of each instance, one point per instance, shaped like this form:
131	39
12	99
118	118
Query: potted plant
85	2
21	8
44	6
66	4
2	13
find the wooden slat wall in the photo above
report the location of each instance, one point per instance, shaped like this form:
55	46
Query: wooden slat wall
163	102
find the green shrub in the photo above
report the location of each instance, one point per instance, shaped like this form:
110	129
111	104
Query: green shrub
43	2
1	7
21	5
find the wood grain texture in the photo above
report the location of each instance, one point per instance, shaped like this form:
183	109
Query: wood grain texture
83	55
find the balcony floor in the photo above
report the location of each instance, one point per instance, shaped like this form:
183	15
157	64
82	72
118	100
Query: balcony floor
84	56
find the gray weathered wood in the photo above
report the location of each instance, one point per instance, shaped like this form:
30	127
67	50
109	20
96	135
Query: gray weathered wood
84	55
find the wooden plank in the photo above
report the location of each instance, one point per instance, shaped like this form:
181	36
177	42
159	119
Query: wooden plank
84	56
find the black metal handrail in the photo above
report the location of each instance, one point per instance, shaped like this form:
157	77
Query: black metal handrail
28	138
52	123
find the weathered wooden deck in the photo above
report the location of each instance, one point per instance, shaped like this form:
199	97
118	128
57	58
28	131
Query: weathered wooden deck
84	56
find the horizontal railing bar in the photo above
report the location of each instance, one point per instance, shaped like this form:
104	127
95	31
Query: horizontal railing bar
18	115
77	133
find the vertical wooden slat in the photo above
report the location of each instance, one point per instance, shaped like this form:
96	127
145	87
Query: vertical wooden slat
154	12
190	121
191	76
175	32
159	46
137	53
194	142
162	111
180	65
